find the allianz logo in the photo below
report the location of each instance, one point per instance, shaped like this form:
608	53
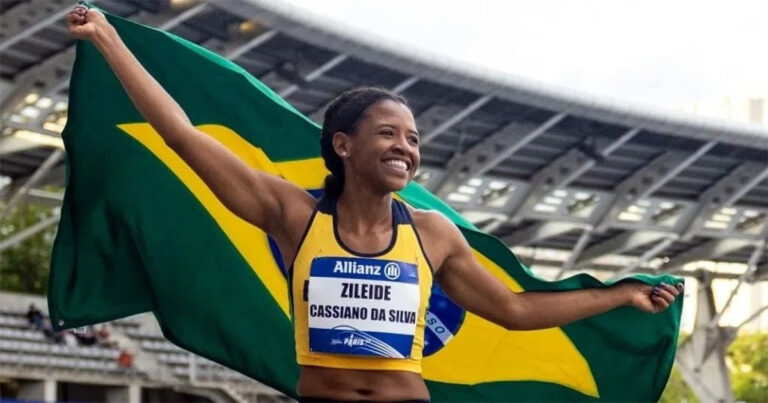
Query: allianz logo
391	270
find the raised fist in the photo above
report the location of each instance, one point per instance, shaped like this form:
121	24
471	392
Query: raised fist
85	23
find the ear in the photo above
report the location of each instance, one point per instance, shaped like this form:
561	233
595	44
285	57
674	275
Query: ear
341	144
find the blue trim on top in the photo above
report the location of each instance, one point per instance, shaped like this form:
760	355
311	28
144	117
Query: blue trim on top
400	213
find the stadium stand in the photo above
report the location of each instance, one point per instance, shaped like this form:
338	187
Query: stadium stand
38	367
572	183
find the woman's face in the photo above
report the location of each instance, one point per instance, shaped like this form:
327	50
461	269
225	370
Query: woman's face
384	150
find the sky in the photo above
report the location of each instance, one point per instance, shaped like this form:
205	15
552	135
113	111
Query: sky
651	53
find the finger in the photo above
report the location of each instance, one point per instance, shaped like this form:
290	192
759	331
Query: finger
73	18
75	23
74	13
665	295
672	290
660	302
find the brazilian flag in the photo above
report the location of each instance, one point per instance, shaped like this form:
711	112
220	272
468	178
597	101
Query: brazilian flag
140	232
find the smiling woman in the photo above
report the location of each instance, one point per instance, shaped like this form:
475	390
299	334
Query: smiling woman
369	110
362	263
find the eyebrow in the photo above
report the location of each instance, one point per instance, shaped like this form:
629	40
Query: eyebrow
393	126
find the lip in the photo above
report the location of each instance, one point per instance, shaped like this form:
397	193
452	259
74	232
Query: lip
408	165
407	162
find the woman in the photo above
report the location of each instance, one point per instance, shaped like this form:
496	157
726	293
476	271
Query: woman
360	273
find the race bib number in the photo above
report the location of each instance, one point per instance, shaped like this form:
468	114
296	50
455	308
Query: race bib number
362	306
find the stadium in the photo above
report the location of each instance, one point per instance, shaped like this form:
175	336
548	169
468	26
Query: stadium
570	183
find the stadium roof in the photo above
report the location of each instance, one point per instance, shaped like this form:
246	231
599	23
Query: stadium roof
536	166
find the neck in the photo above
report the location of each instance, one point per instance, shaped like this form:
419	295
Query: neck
364	209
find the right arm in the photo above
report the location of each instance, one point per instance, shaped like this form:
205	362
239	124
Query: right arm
267	201
474	288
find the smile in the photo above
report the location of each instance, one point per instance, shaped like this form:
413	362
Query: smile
399	165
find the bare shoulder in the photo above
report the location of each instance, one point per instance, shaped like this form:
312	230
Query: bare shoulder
298	208
295	207
431	222
438	234
300	199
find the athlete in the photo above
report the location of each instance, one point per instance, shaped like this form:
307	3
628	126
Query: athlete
362	263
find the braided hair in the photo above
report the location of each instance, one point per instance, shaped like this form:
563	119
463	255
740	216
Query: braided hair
343	115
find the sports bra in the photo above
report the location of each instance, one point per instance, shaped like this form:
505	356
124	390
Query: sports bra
355	310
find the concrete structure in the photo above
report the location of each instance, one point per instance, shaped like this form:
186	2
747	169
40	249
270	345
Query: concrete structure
607	188
47	371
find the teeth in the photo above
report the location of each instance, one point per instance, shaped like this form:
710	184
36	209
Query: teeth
397	164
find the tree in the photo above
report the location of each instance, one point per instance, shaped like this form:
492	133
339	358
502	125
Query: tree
748	361
25	266
677	390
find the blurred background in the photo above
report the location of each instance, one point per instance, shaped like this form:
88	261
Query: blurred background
602	137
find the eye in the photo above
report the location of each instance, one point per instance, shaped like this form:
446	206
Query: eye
387	132
413	140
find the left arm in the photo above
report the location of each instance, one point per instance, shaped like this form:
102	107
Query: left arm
471	286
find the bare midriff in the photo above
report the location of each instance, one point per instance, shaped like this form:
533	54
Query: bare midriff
353	384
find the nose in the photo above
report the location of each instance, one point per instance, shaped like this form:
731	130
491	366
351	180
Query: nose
401	145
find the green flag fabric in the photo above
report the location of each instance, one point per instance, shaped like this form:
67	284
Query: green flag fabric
141	232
